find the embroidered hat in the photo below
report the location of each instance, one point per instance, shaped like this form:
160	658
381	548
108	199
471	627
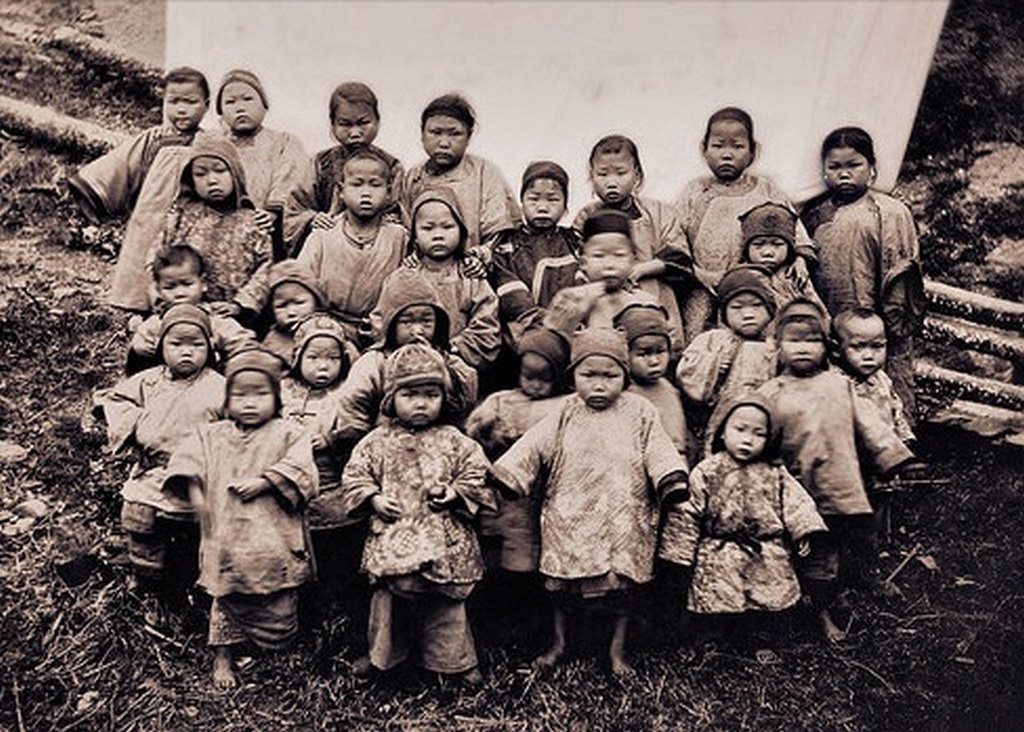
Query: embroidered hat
414	364
246	77
607	221
801	310
316	326
254	359
291	270
640	319
750	278
547	344
768	219
746	399
600	341
545	169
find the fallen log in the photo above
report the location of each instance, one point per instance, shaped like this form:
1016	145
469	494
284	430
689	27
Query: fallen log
103	53
961	333
946	382
973	306
52	128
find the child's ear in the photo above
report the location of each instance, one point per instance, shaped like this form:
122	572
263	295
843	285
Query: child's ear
755	150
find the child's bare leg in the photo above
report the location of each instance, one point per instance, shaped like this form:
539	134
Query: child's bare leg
617	648
831	631
554	654
223	673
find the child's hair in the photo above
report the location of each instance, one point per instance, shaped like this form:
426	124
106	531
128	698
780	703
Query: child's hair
450	105
607	221
614	144
373	155
772	444
188	75
353	92
853	137
175	256
254	359
545	169
730	114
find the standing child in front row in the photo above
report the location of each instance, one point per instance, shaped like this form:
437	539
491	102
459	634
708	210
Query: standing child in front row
825	426
609	469
421	481
249	477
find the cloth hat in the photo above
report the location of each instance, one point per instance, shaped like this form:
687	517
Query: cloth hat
750	278
749	398
246	77
607	221
291	270
210	146
640	319
802	310
768	219
410	365
316	325
185	313
600	341
547	344
444	195
254	359
545	169
404	288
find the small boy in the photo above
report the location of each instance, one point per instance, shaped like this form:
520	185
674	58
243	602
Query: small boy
293	294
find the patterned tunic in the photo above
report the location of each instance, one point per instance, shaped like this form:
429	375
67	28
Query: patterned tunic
879	390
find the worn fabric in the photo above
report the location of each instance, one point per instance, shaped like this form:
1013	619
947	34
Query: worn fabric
267	620
669	403
879	390
257	546
843	556
150	534
718	364
227	336
590	306
737	532
273	162
823	423
788	286
600	474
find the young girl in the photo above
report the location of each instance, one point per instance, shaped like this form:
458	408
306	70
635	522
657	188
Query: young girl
662	252
249	477
421	481
315	201
153	412
608	468
484	197
745	518
868	251
709	209
825	427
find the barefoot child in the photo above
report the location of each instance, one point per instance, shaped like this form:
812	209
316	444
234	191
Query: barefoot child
608	469
249	476
421	481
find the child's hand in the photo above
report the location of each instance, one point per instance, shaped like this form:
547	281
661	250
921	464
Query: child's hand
411	261
386	507
318	442
249	489
803	547
324	220
265	220
473	267
225	309
441	497
801	277
133	323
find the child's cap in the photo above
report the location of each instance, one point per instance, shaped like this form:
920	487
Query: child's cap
414	364
291	270
445	195
746	278
800	310
209	146
404	288
314	326
246	77
547	344
599	341
607	221
185	313
254	359
768	219
545	169
640	319
748	398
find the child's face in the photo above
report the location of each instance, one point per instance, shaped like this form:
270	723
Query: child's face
177	283
354	124
608	257
801	349
745	433
599	381
746	315
536	377
291	302
863	345
728	151
437	231
185	349
445	140
364	188
614	176
184	105
847	173
769	251
419	406
320	365
211	177
251	398
416	322
543	203
648	358
242	108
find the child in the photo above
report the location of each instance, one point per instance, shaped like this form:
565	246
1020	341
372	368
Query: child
647	336
745	518
485	199
421	481
662	252
249	477
315	201
272	160
351	259
439	237
140	178
769	241
608	468
154	411
539	257
737	357
709	209
868	251
215	217
824	425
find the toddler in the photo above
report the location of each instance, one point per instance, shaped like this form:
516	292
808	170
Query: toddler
608	468
824	427
869	253
663	261
153	412
249	476
709	209
315	201
421	481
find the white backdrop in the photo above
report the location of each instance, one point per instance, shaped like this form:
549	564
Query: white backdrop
548	79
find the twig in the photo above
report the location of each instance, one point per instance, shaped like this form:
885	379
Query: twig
17	705
892	689
901	565
160	636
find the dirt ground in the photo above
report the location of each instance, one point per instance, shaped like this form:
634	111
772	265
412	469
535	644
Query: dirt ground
945	653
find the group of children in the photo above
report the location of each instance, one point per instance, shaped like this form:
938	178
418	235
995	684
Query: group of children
333	347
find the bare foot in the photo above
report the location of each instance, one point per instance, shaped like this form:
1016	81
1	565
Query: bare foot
224	678
362	667
472	678
550	658
829	629
620	667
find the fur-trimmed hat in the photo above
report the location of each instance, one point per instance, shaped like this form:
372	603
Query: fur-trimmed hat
246	77
291	270
750	278
640	319
607	221
599	341
746	399
315	326
547	344
413	364
545	169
